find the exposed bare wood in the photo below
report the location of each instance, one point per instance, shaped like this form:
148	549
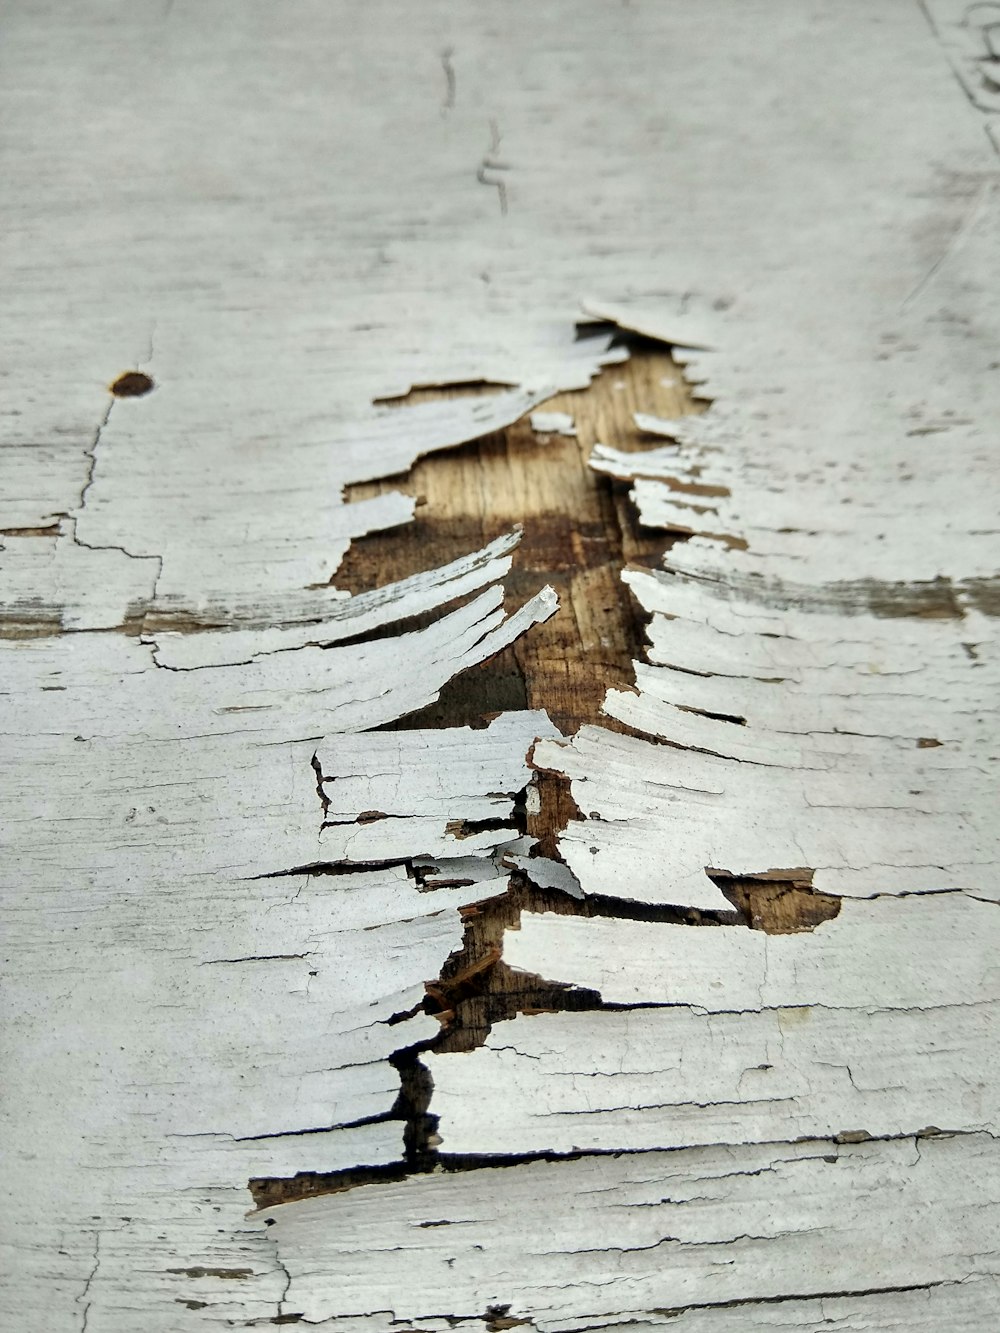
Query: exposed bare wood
579	533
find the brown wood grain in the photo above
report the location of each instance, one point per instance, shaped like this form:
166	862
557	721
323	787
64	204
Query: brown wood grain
579	531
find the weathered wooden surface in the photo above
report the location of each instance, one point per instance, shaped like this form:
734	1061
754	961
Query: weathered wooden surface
338	993
578	535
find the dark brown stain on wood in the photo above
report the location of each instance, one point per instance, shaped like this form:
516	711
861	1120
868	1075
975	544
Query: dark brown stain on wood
782	902
131	384
52	530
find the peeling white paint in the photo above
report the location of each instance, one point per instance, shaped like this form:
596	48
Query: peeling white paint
53	582
941	947
649	1231
410	793
675	1078
552	423
546	873
199	1025
801	201
876	1022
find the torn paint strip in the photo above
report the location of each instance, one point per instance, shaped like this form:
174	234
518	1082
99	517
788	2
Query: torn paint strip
786	1219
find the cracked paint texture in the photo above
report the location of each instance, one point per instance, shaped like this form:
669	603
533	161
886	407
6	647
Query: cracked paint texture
220	881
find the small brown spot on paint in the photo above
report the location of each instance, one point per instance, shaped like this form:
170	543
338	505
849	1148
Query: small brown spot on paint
927	743
132	384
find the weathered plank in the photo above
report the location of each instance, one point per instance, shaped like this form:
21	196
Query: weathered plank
650	1232
234	907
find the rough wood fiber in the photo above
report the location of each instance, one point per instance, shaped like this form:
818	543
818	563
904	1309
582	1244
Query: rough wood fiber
218	951
578	534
